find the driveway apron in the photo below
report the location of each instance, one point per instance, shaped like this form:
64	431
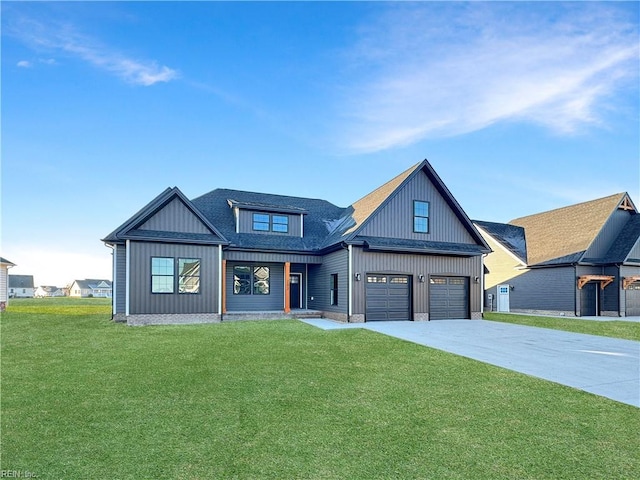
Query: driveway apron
608	367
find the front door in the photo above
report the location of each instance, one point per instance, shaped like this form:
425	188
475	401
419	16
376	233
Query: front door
589	300
295	290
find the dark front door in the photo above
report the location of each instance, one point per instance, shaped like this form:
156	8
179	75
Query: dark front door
589	300
295	279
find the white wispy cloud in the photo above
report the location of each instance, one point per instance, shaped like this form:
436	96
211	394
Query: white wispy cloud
24	64
428	70
64	39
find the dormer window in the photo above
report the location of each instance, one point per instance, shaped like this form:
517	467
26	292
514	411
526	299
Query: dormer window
261	222
280	223
264	222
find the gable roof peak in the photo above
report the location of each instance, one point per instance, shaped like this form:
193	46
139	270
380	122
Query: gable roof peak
566	230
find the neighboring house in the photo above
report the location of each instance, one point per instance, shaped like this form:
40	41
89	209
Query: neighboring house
91	288
21	286
5	265
580	260
406	251
48	291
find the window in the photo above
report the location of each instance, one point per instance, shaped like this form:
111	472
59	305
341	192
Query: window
264	222
334	289
242	280
162	275
189	275
420	216
280	223
261	222
250	280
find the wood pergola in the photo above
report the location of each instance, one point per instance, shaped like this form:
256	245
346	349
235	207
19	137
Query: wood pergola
603	279
626	281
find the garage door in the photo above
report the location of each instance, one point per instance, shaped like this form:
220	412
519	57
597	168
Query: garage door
387	298
633	300
448	297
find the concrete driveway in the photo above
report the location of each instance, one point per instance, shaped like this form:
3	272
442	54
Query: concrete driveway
608	367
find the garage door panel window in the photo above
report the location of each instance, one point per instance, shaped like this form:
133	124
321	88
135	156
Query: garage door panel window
376	279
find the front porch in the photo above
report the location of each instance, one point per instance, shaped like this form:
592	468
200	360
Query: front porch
295	313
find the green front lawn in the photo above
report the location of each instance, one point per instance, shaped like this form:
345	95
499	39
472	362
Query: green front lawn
609	328
83	397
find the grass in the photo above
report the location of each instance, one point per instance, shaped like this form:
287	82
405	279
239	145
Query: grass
612	328
83	397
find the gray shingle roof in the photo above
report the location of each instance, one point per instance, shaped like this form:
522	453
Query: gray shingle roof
91	283
623	245
567	230
420	246
20	281
320	217
510	237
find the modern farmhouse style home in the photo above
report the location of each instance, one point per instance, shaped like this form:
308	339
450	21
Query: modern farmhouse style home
579	260
406	251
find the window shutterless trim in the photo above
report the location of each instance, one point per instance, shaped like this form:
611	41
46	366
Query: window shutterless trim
416	216
156	273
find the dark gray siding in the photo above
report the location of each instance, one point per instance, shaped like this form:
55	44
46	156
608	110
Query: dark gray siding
270	257
245	223
251	303
175	217
543	289
415	265
120	278
143	301
395	220
611	294
320	283
610	231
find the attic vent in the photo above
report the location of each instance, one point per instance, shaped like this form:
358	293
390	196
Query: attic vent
626	205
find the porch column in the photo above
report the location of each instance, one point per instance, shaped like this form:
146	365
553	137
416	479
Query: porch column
287	287
223	287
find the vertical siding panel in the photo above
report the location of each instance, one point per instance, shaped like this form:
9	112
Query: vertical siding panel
145	302
415	265
320	283
245	223
395	220
253	303
175	217
120	253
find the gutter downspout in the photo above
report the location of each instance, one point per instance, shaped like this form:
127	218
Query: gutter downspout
350	283
128	278
114	276
482	285
220	280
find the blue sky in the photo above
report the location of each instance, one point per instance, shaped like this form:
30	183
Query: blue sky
520	107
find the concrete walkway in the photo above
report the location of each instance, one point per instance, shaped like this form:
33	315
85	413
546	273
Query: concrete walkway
608	367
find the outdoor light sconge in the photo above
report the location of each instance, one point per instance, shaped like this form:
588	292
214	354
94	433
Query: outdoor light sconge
358	277
421	278
476	279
